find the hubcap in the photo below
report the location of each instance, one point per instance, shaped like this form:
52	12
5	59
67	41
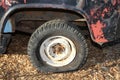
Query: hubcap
58	51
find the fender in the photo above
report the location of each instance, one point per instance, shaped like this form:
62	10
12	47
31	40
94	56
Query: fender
18	8
102	16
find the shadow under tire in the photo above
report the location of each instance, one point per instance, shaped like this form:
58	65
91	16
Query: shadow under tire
57	46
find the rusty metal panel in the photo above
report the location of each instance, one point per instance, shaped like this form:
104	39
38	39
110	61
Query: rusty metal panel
102	16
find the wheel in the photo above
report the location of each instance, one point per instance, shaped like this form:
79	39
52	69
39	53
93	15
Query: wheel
57	46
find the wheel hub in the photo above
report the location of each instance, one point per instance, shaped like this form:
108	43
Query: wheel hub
57	51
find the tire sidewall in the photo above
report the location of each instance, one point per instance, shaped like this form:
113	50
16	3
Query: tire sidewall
67	32
57	29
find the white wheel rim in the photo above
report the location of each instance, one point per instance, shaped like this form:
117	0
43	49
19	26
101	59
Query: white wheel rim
57	51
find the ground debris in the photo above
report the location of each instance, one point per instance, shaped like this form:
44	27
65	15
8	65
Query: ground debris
102	64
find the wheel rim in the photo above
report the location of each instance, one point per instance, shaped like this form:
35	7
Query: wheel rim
57	51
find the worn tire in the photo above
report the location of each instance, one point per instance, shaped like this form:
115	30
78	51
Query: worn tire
52	29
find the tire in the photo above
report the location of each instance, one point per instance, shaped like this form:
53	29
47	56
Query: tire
57	46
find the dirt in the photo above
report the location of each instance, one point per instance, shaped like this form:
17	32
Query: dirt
102	63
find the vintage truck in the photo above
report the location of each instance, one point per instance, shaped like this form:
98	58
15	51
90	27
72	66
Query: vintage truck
57	43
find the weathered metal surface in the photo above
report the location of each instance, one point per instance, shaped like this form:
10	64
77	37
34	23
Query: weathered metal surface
29	21
102	16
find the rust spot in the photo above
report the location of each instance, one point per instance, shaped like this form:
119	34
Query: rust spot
58	48
97	31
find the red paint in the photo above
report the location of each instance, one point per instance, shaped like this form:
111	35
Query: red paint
97	31
25	1
4	5
97	27
114	2
92	12
7	3
104	11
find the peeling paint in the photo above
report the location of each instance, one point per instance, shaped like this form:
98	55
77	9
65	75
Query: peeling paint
103	19
103	15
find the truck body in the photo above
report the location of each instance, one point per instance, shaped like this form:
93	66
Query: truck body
102	17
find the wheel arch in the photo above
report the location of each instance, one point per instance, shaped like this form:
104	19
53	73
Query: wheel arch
22	7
